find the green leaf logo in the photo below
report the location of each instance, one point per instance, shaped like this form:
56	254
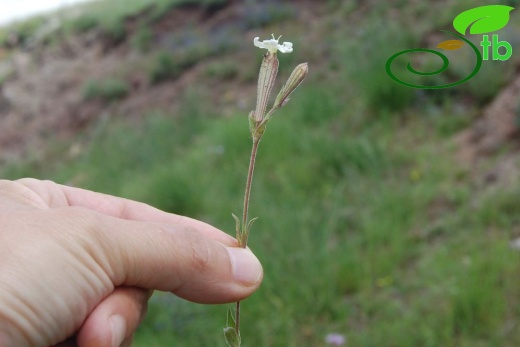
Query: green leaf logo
483	19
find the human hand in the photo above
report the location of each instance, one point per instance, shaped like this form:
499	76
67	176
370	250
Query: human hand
75	263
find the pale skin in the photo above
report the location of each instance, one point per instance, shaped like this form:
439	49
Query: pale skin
77	267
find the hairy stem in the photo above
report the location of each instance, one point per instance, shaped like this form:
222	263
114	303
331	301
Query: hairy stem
237	318
247	195
249	181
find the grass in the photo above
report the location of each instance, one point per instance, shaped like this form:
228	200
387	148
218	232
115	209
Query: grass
142	39
222	70
110	15
20	33
106	90
350	240
106	16
368	225
164	67
182	54
371	48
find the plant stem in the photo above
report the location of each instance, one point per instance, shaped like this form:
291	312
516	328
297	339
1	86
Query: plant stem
237	318
247	195
249	181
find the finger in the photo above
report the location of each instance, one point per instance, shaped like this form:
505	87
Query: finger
67	343
57	195
171	258
14	196
115	319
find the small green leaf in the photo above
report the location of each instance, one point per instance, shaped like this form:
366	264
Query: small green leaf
250	223
252	122
237	224
451	45
230	322
483	19
232	338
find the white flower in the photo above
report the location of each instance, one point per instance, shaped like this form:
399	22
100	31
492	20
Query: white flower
273	46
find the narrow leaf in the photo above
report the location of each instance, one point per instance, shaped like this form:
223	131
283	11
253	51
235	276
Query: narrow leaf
230	323
251	223
237	224
451	45
483	19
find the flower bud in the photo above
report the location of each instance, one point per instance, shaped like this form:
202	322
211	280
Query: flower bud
294	81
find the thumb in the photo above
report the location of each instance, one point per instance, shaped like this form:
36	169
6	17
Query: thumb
178	258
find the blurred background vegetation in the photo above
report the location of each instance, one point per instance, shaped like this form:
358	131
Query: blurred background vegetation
387	214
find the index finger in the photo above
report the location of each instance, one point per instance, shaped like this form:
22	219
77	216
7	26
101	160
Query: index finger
57	195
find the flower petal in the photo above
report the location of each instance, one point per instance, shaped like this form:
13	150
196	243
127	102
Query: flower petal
286	47
257	43
273	46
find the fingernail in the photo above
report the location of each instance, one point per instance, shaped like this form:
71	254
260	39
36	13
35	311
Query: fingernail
246	267
118	326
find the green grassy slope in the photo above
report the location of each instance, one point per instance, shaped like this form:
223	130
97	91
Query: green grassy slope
369	227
